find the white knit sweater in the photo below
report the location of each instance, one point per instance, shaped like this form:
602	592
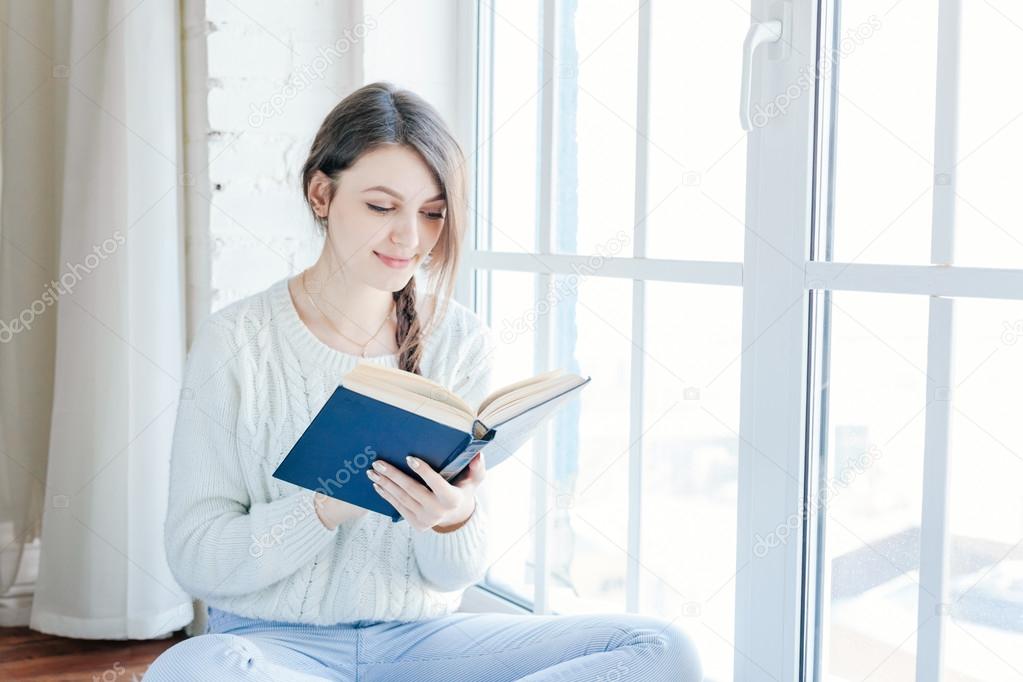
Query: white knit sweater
245	542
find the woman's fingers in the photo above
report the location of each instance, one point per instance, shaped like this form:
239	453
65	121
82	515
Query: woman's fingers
389	485
430	477
385	472
405	512
477	471
437	483
420	503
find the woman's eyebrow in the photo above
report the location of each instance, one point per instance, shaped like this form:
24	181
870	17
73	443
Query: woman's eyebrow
396	194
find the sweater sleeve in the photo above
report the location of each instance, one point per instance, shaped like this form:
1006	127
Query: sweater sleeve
218	542
454	560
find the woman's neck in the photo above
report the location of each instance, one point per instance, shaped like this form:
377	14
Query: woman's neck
354	308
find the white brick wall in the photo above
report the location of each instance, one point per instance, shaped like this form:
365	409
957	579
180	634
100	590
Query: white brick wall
275	70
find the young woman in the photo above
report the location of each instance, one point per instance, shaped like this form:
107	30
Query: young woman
300	586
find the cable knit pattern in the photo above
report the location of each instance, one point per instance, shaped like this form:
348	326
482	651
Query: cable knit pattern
250	544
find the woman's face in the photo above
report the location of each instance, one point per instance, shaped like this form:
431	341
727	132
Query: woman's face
387	204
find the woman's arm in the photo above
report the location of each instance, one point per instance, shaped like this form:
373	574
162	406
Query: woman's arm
218	542
459	558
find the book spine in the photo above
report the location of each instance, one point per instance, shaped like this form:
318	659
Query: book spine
464	454
474	447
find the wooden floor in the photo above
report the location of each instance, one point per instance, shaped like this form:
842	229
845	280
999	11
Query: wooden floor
29	655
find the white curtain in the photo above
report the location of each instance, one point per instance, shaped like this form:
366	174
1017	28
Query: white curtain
92	292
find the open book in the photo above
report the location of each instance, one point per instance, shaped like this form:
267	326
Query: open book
387	413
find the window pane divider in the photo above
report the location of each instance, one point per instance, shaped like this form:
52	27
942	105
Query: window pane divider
544	337
929	280
932	600
653	269
637	367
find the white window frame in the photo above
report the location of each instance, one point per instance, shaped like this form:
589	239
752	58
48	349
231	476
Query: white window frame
785	282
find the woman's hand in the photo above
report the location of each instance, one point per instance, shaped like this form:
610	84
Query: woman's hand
439	505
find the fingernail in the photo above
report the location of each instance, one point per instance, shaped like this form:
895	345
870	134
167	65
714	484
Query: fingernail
372	475
412	462
379	466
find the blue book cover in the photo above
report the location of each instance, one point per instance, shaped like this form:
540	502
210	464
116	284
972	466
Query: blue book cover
352	430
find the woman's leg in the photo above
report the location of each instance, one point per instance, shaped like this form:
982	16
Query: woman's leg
496	647
227	657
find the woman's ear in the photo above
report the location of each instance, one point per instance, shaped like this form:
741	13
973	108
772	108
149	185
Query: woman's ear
320	187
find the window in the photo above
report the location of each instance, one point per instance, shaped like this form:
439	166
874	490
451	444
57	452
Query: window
800	443
629	503
921	445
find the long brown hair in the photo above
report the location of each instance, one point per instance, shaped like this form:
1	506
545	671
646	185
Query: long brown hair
377	114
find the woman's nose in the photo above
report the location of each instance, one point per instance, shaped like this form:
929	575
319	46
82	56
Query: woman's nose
405	232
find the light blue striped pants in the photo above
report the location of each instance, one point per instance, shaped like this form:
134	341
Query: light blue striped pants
455	648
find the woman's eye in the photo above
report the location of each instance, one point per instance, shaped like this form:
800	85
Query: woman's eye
432	215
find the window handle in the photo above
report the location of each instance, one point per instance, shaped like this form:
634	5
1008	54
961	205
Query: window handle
759	33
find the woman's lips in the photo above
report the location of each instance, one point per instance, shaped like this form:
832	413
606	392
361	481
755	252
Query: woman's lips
395	263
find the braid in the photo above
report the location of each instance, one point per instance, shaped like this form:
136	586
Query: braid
409	330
